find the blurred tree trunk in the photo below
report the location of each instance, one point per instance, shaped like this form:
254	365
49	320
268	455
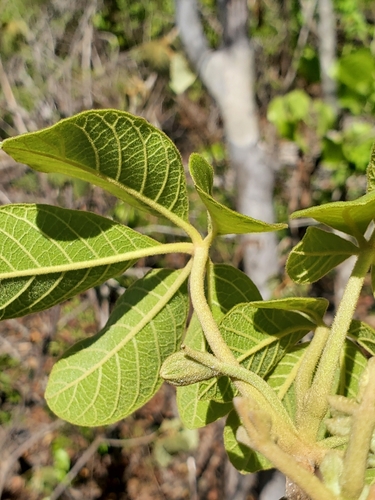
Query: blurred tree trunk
327	51
228	74
327	58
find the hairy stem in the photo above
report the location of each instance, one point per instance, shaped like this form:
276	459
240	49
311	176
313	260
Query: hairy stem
363	423
202	309
262	391
307	367
316	400
288	437
261	441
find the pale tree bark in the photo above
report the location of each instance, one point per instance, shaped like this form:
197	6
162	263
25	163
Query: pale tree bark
327	51
228	74
327	58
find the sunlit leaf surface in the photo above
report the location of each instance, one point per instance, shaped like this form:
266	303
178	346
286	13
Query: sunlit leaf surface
241	456
224	220
351	217
318	253
49	254
115	150
106	377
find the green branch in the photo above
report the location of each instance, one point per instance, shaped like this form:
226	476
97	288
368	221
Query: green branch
258	430
316	400
362	428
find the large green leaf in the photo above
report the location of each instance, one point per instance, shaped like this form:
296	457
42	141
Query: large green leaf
241	456
224	220
226	287
114	150
363	334
316	254
259	338
351	217
282	377
104	378
48	254
314	308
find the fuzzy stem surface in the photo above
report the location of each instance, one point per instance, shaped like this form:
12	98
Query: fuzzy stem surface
316	400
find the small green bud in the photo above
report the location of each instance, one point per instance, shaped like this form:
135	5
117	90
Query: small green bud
178	369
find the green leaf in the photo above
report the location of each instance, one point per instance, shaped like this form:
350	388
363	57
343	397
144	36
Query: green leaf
363	334
114	150
371	171
259	338
224	220
219	389
108	376
352	365
298	102
49	254
351	217
282	377
314	308
243	458
356	143
316	254
226	287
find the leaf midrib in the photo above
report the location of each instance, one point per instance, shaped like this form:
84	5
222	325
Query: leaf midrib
113	259
173	289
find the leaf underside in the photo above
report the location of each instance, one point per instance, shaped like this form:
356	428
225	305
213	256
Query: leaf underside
282	377
49	254
115	150
314	308
106	377
351	217
363	334
243	458
224	220
259	337
316	254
